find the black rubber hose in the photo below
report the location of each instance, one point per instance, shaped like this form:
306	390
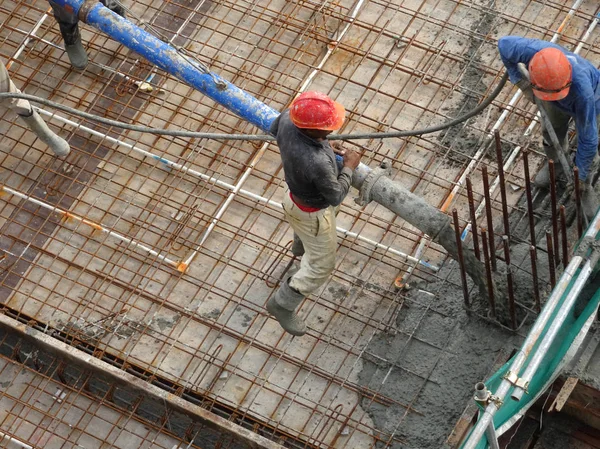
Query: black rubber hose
263	137
417	132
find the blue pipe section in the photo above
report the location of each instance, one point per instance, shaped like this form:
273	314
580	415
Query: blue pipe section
167	58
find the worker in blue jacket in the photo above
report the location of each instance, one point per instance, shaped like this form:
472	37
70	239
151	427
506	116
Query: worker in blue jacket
569	86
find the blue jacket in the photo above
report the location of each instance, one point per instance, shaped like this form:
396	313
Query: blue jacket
583	101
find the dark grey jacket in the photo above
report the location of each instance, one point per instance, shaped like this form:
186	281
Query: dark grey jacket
310	169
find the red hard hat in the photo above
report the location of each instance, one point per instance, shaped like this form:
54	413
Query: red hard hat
550	74
314	110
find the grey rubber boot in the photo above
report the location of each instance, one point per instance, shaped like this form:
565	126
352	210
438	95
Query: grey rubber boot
297	247
589	201
542	179
77	55
282	306
38	126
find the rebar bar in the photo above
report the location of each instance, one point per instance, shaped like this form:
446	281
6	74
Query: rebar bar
500	161
461	262
563	232
509	282
551	258
488	272
529	197
473	218
490	218
534	277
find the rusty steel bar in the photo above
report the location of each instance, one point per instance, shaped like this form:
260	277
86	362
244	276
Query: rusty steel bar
461	262
563	232
490	219
500	161
534	275
578	211
529	198
551	258
488	272
554	210
509	282
471	202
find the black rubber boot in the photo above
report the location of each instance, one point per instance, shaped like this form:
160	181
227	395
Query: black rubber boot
74	48
282	306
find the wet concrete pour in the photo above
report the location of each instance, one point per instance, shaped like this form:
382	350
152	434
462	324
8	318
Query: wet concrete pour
435	359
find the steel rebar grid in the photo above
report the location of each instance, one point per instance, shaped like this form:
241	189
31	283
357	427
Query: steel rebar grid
117	283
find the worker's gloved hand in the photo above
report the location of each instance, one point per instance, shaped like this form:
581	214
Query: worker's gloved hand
351	159
525	87
114	6
339	150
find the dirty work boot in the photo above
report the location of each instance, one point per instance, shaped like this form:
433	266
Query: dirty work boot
77	55
282	305
542	179
589	201
73	46
297	247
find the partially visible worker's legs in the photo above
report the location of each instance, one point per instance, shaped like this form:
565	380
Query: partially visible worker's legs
560	123
69	29
589	196
317	231
319	239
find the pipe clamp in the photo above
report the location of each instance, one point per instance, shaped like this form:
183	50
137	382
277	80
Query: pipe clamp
364	198
85	8
516	380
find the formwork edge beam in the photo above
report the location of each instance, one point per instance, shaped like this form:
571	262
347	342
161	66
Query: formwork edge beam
87	361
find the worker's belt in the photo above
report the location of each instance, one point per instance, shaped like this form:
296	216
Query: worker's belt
302	205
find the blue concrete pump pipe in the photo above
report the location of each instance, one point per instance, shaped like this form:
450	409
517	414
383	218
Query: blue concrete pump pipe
170	60
378	188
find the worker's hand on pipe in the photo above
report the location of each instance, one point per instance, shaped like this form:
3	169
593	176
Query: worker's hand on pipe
526	89
338	148
351	159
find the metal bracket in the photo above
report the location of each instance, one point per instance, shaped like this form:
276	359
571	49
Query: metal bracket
516	381
364	198
85	9
489	398
496	400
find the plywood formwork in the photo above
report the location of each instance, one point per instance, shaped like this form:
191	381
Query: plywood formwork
399	65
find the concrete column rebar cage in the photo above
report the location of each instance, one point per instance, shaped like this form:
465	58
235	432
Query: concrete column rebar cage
400	65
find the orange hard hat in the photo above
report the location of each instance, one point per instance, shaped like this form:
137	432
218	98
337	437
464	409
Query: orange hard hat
314	110
550	74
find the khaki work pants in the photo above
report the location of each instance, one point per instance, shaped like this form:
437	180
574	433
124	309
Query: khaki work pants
317	230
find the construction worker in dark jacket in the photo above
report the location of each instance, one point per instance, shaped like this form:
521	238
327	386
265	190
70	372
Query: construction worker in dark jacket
569	86
69	29
317	185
